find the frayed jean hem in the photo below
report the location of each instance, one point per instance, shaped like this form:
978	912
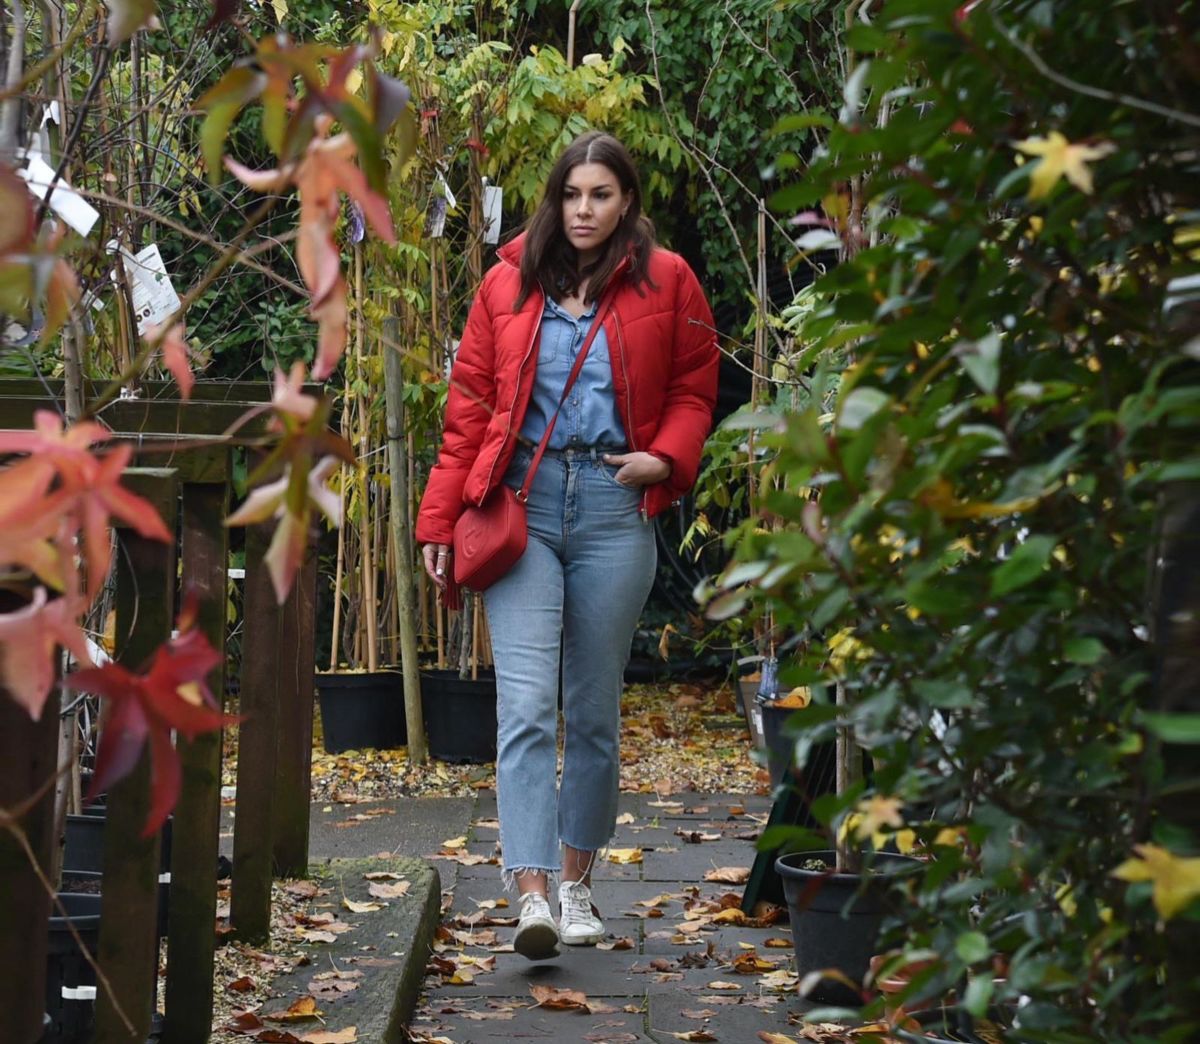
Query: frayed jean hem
509	877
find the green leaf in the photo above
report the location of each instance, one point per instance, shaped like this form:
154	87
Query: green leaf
1174	728
1083	650
972	947
126	17
981	360
801	121
979	994
224	101
1023	566
860	406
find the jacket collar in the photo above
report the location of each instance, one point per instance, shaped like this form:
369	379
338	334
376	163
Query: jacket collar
512	250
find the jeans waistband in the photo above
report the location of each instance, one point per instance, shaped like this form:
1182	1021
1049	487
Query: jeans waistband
571	452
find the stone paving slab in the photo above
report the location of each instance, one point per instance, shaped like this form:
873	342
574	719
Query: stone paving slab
724	939
691	862
598	973
533	1023
740	1022
387	947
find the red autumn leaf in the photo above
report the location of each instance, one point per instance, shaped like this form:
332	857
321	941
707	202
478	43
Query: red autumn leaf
321	177
176	357
29	641
172	695
52	449
272	500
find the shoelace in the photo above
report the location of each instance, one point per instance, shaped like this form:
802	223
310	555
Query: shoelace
534	904
577	904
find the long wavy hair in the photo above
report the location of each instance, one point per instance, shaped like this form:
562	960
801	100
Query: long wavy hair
550	261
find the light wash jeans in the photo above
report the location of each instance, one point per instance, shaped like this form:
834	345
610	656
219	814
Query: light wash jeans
580	587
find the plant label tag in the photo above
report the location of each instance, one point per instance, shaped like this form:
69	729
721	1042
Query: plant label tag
154	298
493	198
64	201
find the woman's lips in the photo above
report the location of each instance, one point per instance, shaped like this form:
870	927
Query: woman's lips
583	230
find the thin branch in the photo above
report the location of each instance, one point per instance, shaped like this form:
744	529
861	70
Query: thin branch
11	110
1116	97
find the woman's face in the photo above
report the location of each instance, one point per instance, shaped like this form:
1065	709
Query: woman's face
592	207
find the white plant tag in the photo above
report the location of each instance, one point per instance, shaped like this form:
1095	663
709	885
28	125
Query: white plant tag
154	298
493	199
65	201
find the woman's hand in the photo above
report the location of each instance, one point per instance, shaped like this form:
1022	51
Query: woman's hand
638	469
437	563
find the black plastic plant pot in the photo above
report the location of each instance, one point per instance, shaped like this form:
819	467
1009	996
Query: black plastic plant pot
362	709
954	1025
70	981
836	918
460	715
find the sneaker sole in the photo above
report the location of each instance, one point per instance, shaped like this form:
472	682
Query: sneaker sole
583	940
536	942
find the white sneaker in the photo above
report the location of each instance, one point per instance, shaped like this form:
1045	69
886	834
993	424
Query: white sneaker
537	936
580	923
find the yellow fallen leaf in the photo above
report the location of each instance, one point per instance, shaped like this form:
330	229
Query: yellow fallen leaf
718	984
455	842
301	1008
356	907
731	916
1176	879
694	1035
775	1038
389	891
625	818
349	1035
776	943
728	874
625	855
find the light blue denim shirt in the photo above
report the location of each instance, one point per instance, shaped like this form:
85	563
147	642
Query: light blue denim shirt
589	417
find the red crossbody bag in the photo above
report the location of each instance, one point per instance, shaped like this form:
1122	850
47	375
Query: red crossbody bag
490	537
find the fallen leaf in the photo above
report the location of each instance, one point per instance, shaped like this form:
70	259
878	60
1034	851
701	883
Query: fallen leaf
389	891
702	1013
720	985
302	889
776	943
728	874
624	943
349	1035
244	1022
243	985
775	1038
697	1035
732	915
625	855
626	818
357	907
383	875
314	935
559	999
300	1008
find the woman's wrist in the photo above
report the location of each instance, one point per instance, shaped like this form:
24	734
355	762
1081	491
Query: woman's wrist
665	460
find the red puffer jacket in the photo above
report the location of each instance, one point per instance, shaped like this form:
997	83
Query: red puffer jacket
664	359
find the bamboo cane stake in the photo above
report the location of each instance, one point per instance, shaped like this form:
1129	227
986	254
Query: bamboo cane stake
366	561
341	560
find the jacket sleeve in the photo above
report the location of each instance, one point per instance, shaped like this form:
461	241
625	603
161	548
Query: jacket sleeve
469	406
692	387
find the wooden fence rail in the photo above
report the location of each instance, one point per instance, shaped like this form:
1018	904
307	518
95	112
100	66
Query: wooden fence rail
191	487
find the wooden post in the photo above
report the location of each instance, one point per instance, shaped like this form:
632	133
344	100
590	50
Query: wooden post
128	948
294	660
28	752
250	902
194	848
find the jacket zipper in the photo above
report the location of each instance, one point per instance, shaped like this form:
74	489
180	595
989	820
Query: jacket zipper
516	395
628	402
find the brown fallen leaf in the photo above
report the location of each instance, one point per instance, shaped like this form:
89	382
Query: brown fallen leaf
349	1035
314	935
697	1035
775	1038
277	1036
730	916
389	891
719	984
302	889
244	1022
300	1008
243	985
728	874
752	964
777	943
560	999
624	943
383	875
702	1013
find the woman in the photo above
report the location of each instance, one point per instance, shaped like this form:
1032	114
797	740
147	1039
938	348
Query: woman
625	445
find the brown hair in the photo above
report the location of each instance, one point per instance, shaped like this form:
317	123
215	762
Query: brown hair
549	260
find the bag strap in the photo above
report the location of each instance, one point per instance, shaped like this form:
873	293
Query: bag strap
597	322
